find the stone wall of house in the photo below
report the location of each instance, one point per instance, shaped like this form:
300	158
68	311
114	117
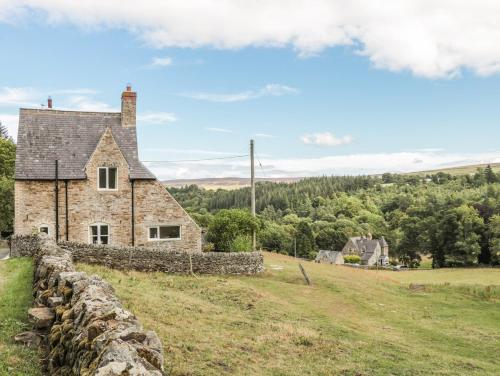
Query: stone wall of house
88	330
35	206
159	260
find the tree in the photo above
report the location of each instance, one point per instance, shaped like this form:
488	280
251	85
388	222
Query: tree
6	205
276	238
306	246
494	232
490	175
7	157
330	238
411	245
3	131
228	226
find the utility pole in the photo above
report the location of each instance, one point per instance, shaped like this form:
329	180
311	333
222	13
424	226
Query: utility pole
252	183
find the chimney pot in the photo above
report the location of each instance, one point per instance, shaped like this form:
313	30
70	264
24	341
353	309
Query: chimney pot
49	102
129	99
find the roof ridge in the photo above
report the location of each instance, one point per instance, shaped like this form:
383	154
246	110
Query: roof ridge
55	111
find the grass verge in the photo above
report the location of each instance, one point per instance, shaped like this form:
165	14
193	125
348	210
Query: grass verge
349	322
15	299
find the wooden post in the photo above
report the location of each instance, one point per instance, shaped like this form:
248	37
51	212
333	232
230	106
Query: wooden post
308	281
252	183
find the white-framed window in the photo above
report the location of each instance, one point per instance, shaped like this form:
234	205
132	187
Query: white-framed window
44	229
164	232
99	233
107	178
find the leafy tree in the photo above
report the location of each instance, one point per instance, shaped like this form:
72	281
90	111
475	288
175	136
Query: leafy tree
306	246
277	238
7	157
6	204
228	225
494	231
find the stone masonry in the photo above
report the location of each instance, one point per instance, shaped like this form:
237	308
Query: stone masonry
34	205
89	331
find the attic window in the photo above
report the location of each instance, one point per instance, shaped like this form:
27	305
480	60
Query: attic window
164	233
107	178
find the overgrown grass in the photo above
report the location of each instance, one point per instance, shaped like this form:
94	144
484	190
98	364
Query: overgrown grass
350	322
15	299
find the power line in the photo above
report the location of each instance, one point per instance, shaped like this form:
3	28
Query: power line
198	160
261	167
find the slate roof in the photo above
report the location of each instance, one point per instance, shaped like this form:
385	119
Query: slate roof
71	137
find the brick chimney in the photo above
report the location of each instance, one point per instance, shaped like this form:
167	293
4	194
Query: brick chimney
129	98
49	102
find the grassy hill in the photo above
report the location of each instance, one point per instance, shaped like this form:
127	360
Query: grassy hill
350	322
224	183
460	170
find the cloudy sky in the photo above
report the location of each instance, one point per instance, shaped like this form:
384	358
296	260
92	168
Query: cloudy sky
323	86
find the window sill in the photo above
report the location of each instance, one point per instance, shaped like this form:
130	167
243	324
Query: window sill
164	240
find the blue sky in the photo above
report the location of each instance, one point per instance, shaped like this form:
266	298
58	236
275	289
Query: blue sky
340	108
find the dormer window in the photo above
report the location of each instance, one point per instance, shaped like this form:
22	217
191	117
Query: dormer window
107	178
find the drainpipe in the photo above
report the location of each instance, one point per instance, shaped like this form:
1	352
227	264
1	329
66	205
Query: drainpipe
132	213
66	215
57	200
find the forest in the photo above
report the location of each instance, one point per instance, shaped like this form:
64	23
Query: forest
454	220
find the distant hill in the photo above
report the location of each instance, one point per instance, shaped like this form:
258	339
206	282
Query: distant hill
224	183
460	170
236	183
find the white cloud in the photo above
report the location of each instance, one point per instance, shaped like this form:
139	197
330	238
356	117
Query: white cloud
18	96
325	139
221	130
275	90
11	122
156	117
84	103
161	61
264	135
353	164
430	38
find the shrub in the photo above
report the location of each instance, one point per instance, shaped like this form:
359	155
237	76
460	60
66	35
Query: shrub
352	259
242	243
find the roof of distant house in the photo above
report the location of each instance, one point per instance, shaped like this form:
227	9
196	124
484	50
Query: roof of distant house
70	137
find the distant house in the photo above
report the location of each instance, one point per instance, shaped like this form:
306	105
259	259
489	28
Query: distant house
79	178
371	251
330	257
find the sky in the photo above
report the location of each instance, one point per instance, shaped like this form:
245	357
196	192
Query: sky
324	87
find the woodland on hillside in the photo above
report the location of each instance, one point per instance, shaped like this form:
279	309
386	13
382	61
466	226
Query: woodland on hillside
453	219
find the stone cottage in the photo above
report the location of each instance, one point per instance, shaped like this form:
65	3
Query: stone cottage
79	178
330	257
371	251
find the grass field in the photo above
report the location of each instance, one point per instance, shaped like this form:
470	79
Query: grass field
350	322
15	299
461	170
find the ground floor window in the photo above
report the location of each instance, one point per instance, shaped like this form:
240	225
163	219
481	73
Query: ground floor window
44	229
164	232
99	233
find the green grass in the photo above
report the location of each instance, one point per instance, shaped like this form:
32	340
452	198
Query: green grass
461	170
350	322
15	299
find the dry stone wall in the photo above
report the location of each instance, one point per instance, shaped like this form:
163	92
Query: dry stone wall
89	331
159	260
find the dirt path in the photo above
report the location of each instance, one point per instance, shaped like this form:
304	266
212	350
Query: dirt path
4	252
